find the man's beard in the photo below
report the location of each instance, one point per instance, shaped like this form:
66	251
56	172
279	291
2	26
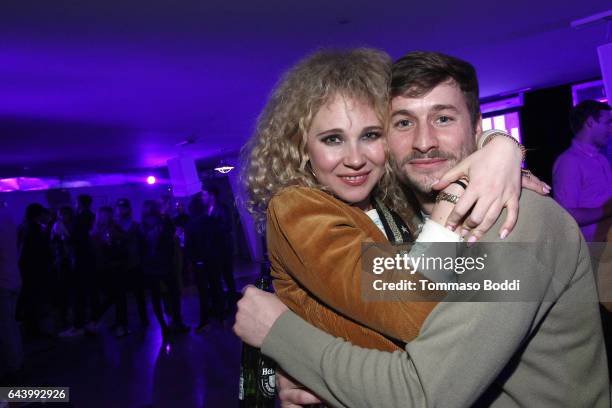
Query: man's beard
421	182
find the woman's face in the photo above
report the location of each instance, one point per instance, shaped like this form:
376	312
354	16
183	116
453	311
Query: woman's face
345	148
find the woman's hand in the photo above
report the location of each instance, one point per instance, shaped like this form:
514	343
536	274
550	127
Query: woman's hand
531	182
291	393
495	183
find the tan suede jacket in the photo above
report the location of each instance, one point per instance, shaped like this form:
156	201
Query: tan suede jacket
314	246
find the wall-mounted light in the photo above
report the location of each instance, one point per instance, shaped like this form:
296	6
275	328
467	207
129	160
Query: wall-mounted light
151	180
224	169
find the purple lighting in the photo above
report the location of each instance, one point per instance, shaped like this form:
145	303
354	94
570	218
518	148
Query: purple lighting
508	121
589	90
151	180
27	184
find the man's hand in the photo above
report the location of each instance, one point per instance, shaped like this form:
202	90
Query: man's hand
292	394
257	312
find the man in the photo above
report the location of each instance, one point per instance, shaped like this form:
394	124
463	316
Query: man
223	244
85	286
544	352
133	281
35	260
181	218
11	350
582	174
202	259
158	263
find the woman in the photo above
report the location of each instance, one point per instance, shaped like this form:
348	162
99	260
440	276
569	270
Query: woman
317	167
110	255
62	246
159	266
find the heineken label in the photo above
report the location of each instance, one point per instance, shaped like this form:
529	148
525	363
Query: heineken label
241	385
267	379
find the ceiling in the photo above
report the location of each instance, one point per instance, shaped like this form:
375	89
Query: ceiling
116	86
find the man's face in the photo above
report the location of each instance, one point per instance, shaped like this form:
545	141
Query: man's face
602	129
430	134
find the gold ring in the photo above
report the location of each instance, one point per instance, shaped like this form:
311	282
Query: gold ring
444	196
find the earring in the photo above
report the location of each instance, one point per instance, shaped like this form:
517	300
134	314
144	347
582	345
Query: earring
311	169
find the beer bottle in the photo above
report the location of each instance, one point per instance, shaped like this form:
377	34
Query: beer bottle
257	372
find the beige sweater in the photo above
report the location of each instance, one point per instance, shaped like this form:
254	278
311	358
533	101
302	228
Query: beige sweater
548	352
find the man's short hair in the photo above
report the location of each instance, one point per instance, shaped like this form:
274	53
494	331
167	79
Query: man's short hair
418	72
584	110
33	211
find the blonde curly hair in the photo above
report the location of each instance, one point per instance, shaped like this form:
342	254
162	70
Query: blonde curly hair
275	157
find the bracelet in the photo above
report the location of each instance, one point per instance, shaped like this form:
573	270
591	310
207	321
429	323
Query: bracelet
443	196
488	135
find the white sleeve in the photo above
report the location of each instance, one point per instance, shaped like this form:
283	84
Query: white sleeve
434	232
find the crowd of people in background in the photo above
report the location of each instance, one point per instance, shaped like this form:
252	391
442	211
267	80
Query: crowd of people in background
75	265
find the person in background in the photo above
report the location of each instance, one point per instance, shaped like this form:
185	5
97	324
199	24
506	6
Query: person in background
223	245
180	220
158	259
582	178
133	280
182	217
165	205
62	246
84	268
34	263
11	350
582	181
201	259
110	257
171	293
175	287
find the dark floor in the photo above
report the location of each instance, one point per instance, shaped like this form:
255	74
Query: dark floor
136	371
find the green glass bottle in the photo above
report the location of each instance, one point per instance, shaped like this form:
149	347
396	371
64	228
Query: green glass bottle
257	388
